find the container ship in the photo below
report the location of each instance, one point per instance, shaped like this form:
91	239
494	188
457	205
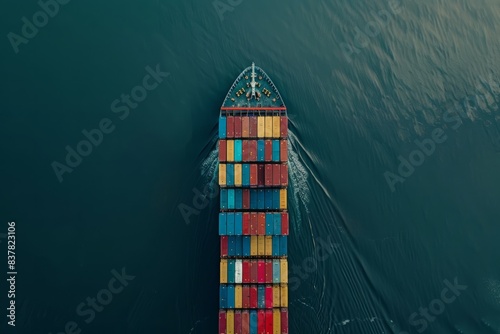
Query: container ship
253	218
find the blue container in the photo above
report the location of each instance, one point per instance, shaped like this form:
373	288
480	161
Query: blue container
261	296
231	248
269	199
230	223
238	223
223	296
238	151
222	224
277	223
276	245
246	245
276	271
230	198
276	150
229	174
238	245
246	175
231	265
253	199
260	150
222	127
260	199
253	322
269	224
283	245
238	199
276	199
230	296
223	198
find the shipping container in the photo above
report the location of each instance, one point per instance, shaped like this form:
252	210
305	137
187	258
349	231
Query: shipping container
246	175
245	322
238	150
238	245
261	218
269	271
283	150
269	223
261	179
268	126
245	127
230	296
261	245
230	150
237	322
246	224
254	223
276	295
231	246
276	126
284	175
237	126
276	174
277	223
268	175
238	277
253	175
260	150
261	199
230	199
223	199
246	271
237	175
244	150
223	271
222	150
246	296
230	175
283	245
276	271
222	175
223	296
252	150
261	321
284	126
222	224
276	245
253	296
224	246
261	273
269	245
268	150
268	199
276	150
276	321
238	223
284	295
230	223
231	269
230	321
284	321
253	126
238	296
230	127
284	270
283	199
260	126
238	199
246	246
222	322
222	127
261	298
276	199
284	223
254	271
246	199
253	322
269	322
253	245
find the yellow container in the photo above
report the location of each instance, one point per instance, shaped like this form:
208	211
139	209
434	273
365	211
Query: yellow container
269	127
238	298
260	126
230	322
284	270
276	321
284	295
222	174
269	245
230	150
261	245
283	199
276	126
253	245
223	271
237	175
276	296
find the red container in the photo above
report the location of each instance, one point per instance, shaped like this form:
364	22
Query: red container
283	150
254	274
283	126
224	245
252	147
246	198
261	176
269	273
222	322
276	175
237	322
245	152
230	127
246	223
245	126
245	322
284	223
253	127
269	297
253	223
284	175
261	220
246	296
246	272
269	321
261	322
253	175
269	175
268	150
237	127
253	296
261	274
284	321
222	150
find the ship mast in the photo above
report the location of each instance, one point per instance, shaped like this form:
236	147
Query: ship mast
253	83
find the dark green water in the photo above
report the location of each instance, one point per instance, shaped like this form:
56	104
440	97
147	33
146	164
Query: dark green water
427	71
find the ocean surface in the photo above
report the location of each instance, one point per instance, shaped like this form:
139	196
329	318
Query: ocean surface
394	161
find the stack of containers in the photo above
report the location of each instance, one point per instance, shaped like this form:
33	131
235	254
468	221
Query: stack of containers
253	222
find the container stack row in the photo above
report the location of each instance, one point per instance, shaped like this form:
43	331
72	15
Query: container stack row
253	223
